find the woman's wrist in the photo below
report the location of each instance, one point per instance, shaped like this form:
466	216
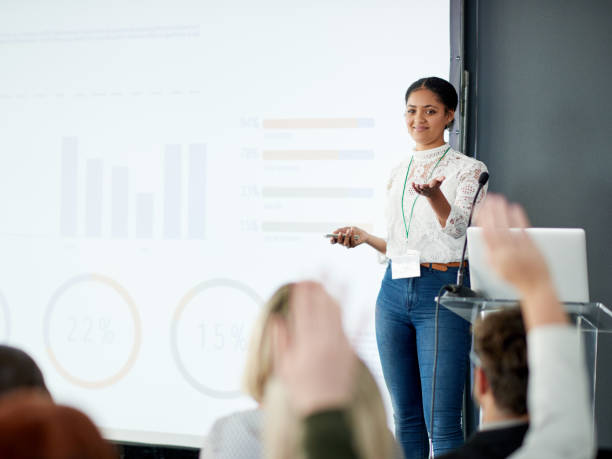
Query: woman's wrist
376	243
440	206
435	195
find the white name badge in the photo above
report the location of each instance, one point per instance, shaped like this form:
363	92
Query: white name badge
407	265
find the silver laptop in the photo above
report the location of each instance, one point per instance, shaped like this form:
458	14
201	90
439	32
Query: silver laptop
564	250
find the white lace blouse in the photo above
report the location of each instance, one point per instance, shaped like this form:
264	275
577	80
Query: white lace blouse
435	243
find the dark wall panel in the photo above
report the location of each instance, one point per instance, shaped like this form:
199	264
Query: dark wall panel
541	97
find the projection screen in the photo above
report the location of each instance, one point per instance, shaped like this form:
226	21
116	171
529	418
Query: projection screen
166	165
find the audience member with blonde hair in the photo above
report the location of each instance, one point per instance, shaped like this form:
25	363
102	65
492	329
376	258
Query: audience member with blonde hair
365	413
239	434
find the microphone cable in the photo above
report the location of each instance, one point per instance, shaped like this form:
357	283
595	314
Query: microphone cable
434	373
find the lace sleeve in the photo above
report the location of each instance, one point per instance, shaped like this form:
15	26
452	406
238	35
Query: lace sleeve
456	223
382	258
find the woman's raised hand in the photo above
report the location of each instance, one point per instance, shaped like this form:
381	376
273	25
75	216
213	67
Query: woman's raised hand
350	236
428	189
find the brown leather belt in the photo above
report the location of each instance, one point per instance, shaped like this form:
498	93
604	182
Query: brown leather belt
443	266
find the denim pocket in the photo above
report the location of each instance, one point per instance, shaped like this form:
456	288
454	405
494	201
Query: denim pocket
392	291
446	277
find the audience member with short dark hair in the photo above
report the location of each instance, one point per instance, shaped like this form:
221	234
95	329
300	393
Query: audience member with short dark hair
19	371
500	386
33	426
560	421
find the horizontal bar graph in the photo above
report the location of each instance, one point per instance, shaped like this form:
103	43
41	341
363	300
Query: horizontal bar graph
318	123
307	227
318	192
316	155
132	214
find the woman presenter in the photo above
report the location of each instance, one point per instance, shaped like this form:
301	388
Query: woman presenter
429	198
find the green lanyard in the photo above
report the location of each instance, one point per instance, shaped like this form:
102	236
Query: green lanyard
407	227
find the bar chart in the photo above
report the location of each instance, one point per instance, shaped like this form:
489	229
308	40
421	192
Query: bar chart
316	155
318	192
307	227
318	123
96	196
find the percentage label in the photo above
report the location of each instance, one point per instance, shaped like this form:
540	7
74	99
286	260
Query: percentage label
249	225
218	336
249	191
90	330
249	122
239	337
249	154
210	331
104	325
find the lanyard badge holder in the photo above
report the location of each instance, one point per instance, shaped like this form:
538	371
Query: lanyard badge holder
409	264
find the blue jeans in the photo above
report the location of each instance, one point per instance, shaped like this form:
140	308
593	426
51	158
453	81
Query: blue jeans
405	317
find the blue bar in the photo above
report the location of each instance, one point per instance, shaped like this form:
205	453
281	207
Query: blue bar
93	195
316	192
304	227
144	215
172	192
365	122
119	202
197	191
356	154
69	187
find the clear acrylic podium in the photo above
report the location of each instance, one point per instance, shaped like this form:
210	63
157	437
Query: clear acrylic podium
591	319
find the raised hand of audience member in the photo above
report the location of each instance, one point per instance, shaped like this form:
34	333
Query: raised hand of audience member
561	423
516	258
312	355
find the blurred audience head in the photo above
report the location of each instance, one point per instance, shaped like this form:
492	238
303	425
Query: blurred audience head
366	413
19	371
33	426
501	372
259	363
